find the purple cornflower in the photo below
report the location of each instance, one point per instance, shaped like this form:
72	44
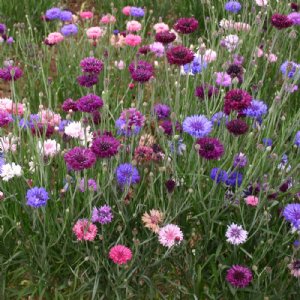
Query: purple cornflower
290	69
91	185
127	175
141	75
37	197
186	25
297	139
88	80
53	13
10	73
195	67
162	111
240	160
105	146
210	148
91	65
157	48
89	103
133	117
233	6
239	276
223	79
2	28
143	65
294	17
69	29
292	214
5	118
234	178
197	126
137	12
123	129
169	127
256	109
236	235
65	16
267	142
102	215
80	158
69	104
218	117
218	175
206	90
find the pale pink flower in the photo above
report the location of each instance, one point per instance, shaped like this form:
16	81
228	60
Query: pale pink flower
252	200
133	26
133	40
108	19
126	10
170	235
117	40
120	65
86	15
157	48
8	143
48	117
49	147
261	2
259	52
239	26
159	27
223	79
85	230
209	55
94	32
230	42
271	57
10	107
55	38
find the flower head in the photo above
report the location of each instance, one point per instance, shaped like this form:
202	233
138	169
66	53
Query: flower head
85	230
165	37
235	234
105	146
218	175
294	266
186	25
237	127
236	100
197	126
5	118
297	139
239	276
234	178
102	215
233	6
252	200
256	109
170	235
120	254
240	160
127	175
10	73
53	13
206	91
292	214
137	12
89	103
180	55
280	21
80	158
91	65
37	197
69	29
210	148
153	219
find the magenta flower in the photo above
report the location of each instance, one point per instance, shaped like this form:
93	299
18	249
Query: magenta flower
239	276
120	254
80	158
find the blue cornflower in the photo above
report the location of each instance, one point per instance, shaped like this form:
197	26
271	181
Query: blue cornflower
63	124
292	214
68	30
177	146
116	32
234	178
297	139
30	123
127	174
2	160
233	6
218	117
65	16
197	126
267	142
37	197
137	12
290	69
102	214
256	109
53	13
124	129
240	160
195	67
218	175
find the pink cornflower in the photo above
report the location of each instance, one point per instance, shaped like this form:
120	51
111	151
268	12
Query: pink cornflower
86	15
271	57
126	10
133	26
160	27
120	254
170	235
157	48
54	38
49	147
153	219
85	230
10	107
94	32
223	79
108	19
210	56
132	40
48	117
252	200
261	2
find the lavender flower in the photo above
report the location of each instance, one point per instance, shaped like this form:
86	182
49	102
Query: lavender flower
240	160
53	13
235	234
292	214
297	139
102	214
197	126
233	6
69	29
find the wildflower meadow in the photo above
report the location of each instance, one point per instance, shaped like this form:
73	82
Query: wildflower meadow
150	149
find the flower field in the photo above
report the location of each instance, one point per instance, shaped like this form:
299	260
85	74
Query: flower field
149	150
